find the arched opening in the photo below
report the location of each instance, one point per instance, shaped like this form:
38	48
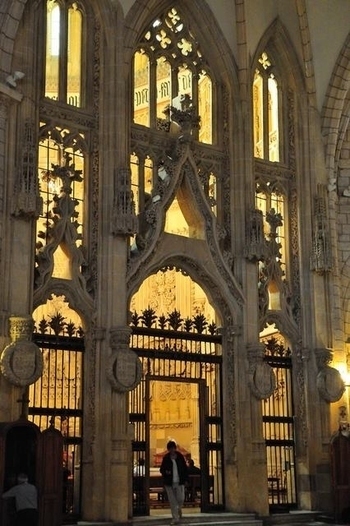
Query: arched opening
175	332
57	397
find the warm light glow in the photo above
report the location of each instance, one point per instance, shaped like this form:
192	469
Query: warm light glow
163	73
63	71
74	56
273	120
344	372
141	89
258	121
205	108
52	50
266	135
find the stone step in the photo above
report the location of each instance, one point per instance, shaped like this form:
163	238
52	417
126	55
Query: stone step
198	519
294	518
202	519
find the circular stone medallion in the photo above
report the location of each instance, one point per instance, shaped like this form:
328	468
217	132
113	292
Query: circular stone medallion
124	370
21	363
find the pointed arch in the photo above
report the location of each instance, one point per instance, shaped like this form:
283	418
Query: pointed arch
277	42
203	23
11	19
222	290
336	108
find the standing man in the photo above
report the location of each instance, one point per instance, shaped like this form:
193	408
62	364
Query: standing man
26	499
175	475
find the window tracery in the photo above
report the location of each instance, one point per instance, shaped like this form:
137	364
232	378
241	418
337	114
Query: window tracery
64	52
173	97
266	112
60	226
168	65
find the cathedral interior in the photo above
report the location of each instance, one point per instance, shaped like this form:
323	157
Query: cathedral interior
175	249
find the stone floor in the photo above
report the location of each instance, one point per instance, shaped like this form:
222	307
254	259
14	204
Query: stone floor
163	518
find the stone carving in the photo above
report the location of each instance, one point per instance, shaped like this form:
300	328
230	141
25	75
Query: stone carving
26	201
124	220
21	328
62	225
329	381
21	361
256	243
262	379
321	258
124	368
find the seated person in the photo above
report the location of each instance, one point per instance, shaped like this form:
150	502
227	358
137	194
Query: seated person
191	468
193	487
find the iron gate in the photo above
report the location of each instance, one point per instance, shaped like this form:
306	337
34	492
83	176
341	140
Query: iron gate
188	364
278	428
57	397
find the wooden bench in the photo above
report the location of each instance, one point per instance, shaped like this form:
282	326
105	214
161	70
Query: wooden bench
192	489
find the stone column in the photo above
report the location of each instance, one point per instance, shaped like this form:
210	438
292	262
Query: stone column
8	99
124	374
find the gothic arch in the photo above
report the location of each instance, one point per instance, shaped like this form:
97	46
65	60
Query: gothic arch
345	280
336	108
212	284
11	19
78	299
277	41
203	23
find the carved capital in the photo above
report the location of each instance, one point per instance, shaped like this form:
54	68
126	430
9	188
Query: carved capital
255	354
21	362
119	337
21	328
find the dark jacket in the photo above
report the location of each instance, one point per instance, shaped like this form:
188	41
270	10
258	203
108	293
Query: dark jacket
166	469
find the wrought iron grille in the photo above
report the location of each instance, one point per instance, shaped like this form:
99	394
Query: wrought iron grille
57	397
190	361
278	428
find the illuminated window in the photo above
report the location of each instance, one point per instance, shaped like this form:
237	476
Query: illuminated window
61	169
167	65
63	61
269	200
266	112
141	181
